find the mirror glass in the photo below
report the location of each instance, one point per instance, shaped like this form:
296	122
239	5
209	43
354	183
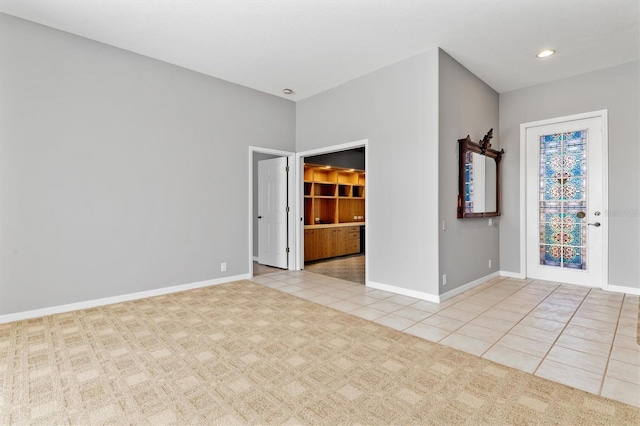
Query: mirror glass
480	183
490	182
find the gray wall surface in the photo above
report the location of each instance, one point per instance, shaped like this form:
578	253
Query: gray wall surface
396	109
468	106
119	173
615	89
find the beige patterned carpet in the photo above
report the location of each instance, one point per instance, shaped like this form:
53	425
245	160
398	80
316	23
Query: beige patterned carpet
241	353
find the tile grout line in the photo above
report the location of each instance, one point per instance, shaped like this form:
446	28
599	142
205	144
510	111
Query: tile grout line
467	322
485	311
606	368
561	332
435	313
450	332
518	322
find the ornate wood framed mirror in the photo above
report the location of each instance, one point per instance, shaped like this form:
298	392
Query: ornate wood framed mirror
479	178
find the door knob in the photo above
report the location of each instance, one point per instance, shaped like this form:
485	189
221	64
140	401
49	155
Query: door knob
260	217
596	224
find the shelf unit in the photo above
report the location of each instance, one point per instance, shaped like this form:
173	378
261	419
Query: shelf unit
333	195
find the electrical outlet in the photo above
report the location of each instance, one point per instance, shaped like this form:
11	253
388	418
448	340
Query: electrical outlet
444	227
223	266
444	279
489	263
490	222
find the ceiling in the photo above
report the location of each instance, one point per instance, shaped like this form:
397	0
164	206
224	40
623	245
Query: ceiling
313	45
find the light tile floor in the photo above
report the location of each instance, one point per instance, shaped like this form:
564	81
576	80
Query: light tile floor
579	336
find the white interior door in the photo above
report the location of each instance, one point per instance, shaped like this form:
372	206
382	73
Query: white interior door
272	212
565	198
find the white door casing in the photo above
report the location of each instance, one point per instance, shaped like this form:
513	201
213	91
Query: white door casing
272	212
300	156
570	181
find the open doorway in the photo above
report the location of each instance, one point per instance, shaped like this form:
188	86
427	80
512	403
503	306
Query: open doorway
333	211
271	227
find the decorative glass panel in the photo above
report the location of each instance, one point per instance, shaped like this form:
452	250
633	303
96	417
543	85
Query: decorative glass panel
563	199
468	182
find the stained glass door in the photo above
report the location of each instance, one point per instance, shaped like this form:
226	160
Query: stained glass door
565	202
563	199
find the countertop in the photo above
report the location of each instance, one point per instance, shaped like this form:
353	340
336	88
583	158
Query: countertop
334	225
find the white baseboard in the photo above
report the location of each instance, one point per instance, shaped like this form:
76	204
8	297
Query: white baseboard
36	313
613	288
432	297
623	289
509	274
405	291
468	286
256	258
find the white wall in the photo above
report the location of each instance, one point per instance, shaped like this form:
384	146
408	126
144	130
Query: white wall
615	89
468	106
396	109
119	173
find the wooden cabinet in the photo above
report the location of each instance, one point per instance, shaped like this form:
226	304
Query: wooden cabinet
325	242
347	240
341	242
333	195
351	239
310	244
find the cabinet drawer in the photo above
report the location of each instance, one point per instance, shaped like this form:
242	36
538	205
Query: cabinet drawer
353	246
353	233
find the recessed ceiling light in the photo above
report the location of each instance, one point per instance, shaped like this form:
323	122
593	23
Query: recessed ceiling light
545	53
288	91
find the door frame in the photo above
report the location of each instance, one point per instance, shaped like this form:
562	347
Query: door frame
603	116
299	213
291	201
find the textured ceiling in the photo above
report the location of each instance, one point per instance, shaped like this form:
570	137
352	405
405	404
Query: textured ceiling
313	45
